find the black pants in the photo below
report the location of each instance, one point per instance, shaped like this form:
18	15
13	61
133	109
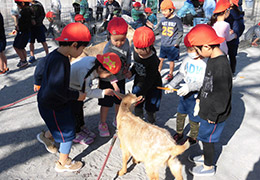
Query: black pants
208	151
77	110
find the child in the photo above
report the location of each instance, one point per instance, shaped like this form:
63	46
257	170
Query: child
137	16
23	29
236	22
172	32
79	18
208	8
151	4
56	9
84	10
192	71
147	76
112	10
3	61
118	44
215	95
38	29
221	27
150	16
55	26
187	12
253	35
83	71
54	96
99	11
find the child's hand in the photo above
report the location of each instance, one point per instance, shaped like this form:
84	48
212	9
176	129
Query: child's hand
184	90
211	122
36	88
169	91
254	44
128	74
82	96
149	24
109	92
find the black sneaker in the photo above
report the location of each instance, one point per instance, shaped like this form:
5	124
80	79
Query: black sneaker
192	141
22	64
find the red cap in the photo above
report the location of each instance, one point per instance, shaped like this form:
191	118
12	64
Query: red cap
74	32
117	26
50	14
221	6
105	3
259	24
79	17
110	61
204	34
201	0
137	4
148	10
186	41
23	0
143	37
167	4
235	2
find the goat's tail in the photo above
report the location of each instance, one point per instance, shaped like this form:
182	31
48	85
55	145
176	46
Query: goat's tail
179	149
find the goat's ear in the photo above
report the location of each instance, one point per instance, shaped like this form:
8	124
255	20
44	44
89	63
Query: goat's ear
119	95
139	98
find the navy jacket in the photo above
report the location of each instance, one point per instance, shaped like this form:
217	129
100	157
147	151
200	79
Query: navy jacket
54	92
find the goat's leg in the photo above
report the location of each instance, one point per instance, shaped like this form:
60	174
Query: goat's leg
125	156
175	167
152	171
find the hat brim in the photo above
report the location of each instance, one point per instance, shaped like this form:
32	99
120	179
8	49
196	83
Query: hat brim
216	41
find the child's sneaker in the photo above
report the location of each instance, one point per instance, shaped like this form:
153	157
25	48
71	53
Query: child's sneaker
169	77
114	123
83	138
197	159
201	171
69	166
88	132
32	59
48	143
103	130
22	64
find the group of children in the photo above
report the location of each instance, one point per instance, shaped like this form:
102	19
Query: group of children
205	95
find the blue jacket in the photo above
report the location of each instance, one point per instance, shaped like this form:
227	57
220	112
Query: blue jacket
187	8
236	22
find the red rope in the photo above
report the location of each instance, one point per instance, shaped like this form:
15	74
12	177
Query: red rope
11	104
110	149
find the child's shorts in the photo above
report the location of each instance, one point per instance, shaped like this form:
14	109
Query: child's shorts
152	99
38	32
186	106
2	45
172	53
61	122
21	40
109	101
210	132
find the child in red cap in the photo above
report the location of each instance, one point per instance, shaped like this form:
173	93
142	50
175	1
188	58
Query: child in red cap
150	16
54	97
172	32
83	71
79	18
192	71
137	16
55	26
214	97
118	44
221	27
147	76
